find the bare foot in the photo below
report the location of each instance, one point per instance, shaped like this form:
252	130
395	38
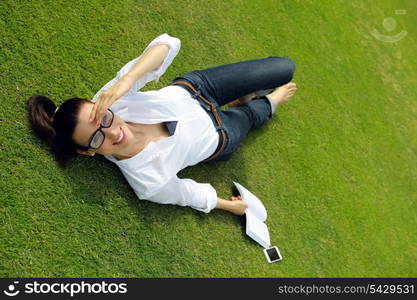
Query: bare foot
283	93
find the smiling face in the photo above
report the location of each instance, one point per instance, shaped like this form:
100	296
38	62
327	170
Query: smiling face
112	144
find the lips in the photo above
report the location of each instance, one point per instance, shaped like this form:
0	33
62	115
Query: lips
120	138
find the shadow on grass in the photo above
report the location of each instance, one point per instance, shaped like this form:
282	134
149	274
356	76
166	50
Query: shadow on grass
97	180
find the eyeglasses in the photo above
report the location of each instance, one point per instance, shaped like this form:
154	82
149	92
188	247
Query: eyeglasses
97	139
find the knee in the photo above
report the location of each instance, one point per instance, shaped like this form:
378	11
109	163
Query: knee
290	66
285	65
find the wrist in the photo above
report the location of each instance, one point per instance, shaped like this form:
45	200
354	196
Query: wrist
237	207
222	204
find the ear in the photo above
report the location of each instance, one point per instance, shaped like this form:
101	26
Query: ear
83	152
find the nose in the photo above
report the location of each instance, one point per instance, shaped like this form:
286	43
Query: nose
112	133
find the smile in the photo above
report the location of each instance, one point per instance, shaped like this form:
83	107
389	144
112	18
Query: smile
121	138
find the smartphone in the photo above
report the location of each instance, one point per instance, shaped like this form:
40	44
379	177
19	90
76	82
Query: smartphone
272	254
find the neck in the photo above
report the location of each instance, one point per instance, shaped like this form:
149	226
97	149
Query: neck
141	136
137	141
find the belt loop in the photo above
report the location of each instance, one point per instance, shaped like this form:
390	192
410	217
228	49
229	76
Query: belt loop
219	127
196	94
205	105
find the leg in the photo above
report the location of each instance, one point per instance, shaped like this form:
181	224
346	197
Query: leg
228	82
238	121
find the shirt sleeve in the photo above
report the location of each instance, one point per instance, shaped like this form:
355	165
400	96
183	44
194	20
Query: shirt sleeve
174	45
185	192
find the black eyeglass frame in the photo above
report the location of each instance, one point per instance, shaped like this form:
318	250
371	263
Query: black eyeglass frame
95	132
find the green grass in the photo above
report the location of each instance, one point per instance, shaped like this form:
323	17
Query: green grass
336	168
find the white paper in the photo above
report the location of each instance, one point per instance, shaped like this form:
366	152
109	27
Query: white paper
257	230
254	204
255	217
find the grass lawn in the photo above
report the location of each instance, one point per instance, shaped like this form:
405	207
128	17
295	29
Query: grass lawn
336	167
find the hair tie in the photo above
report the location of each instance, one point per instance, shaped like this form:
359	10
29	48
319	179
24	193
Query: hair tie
55	111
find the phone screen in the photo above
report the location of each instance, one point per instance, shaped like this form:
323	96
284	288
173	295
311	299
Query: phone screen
273	254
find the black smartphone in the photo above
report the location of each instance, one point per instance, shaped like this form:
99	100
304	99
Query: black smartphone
272	254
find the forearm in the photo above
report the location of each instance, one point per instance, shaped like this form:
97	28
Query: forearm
150	60
223	204
235	207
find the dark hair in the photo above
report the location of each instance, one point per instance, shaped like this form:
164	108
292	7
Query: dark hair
56	129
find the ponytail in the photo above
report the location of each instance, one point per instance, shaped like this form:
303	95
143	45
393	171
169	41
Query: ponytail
55	129
41	110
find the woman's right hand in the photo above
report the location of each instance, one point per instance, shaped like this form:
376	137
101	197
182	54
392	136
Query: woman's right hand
233	204
107	98
238	207
235	198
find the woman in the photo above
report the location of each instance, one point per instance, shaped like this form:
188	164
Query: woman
153	135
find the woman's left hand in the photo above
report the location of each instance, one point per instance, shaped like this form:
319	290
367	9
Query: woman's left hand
107	98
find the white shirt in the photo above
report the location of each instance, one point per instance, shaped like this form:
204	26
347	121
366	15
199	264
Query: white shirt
152	173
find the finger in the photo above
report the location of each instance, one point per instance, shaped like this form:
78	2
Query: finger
98	114
101	110
93	113
97	107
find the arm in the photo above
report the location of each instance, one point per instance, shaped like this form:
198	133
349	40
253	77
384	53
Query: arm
187	192
150	60
150	65
236	207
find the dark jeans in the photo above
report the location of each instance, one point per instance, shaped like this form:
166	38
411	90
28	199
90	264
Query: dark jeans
225	83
